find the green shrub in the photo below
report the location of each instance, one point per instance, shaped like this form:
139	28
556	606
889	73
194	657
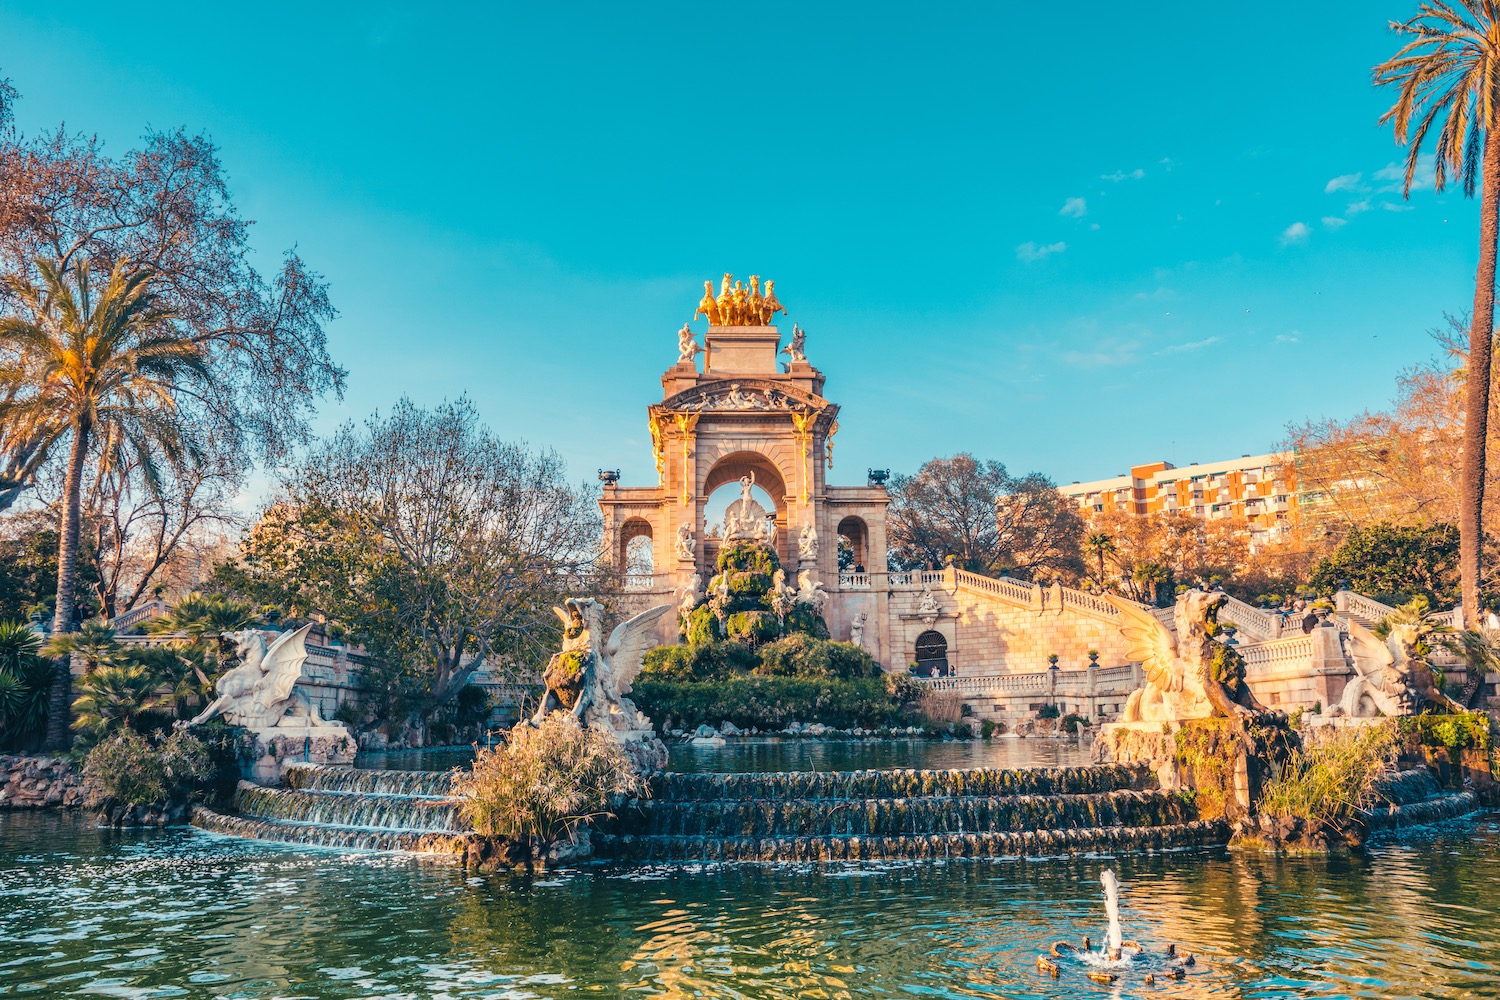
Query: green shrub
668	663
773	702
754	586
800	655
1048	712
1072	721
749	557
702	626
963	730
1460	731
752	627
25	679
702	663
989	727
545	781
804	619
127	769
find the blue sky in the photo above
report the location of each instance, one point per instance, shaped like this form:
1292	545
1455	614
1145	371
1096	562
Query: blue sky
1066	238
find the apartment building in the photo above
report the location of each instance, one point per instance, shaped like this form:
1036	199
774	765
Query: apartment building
1258	491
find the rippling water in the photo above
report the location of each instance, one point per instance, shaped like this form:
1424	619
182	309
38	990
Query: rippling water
84	912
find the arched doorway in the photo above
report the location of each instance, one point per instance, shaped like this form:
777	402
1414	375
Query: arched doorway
931	654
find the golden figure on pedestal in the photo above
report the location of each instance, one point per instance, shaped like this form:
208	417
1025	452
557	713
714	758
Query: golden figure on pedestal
736	305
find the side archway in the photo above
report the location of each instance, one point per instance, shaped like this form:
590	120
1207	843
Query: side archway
931	654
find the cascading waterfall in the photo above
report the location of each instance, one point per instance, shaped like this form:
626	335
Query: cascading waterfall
343	807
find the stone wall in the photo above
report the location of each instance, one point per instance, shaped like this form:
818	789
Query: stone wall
39	783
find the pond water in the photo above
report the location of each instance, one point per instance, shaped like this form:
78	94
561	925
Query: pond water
774	753
85	912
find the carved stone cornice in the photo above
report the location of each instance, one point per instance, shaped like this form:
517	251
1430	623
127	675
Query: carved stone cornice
749	395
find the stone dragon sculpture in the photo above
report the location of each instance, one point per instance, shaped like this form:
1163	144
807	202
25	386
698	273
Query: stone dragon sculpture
1190	675
592	682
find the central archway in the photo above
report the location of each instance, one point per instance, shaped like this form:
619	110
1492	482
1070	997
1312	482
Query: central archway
721	487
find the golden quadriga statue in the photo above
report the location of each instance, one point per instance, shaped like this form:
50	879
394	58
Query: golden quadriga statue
736	305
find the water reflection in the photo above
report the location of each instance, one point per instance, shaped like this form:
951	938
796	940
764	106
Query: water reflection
85	912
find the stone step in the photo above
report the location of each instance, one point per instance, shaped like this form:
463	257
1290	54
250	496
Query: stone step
914	816
318	835
348	809
1031	843
1433	810
326	778
892	784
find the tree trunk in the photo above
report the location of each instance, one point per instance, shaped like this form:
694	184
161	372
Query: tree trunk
1477	388
59	697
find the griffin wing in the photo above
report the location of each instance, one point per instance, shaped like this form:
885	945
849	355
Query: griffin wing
283	664
628	644
1369	654
1151	644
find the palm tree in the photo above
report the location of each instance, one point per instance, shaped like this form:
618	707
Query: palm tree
24	679
115	697
95	643
1448	75
1099	544
202	618
105	366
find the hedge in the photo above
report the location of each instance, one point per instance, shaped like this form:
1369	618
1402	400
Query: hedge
771	702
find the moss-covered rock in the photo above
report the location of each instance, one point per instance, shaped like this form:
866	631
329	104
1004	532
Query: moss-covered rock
754	628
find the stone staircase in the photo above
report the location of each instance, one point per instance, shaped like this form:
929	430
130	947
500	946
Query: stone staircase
835	816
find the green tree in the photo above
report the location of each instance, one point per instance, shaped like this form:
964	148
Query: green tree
94	642
113	698
1394	563
1448	75
28	566
1099	545
432	542
105	364
206	621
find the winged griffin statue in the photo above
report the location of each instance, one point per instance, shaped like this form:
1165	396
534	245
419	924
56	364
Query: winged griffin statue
592	683
258	694
1190	675
1392	677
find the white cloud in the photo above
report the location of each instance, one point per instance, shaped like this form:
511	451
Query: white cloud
1192	345
1345	182
1074	208
1124	175
1030	253
1394	174
1356	207
1334	222
1297	232
1290	337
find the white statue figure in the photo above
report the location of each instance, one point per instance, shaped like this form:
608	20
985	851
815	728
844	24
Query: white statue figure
258	694
1393	677
687	347
690	595
857	630
1178	683
591	683
770	530
810	591
797	348
746	482
718	595
807	542
687	545
783	596
929	608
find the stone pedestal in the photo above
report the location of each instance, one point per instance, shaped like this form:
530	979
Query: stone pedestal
276	747
740	350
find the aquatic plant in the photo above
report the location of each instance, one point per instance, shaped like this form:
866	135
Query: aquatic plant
1328	781
545	781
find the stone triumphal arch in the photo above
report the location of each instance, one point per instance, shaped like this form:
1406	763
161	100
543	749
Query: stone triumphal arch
747	414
